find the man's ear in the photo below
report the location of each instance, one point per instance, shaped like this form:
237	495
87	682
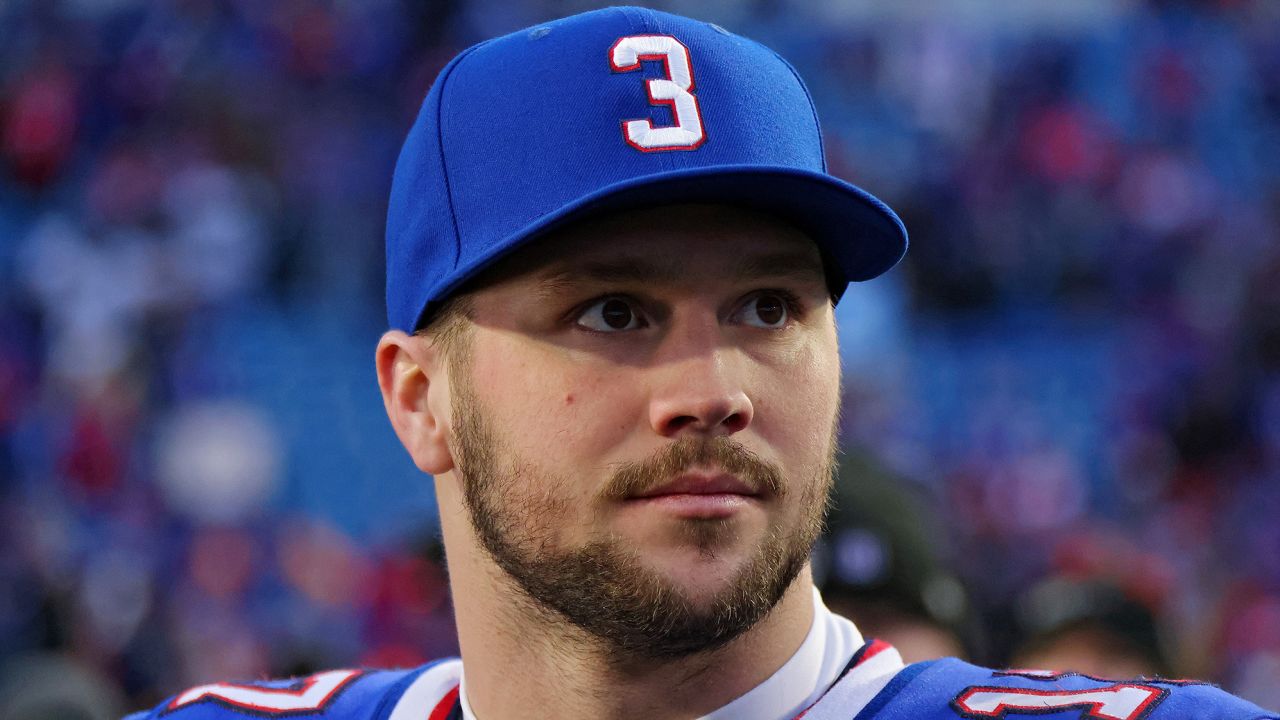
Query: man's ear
414	384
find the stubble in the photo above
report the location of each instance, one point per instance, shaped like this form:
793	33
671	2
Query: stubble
603	586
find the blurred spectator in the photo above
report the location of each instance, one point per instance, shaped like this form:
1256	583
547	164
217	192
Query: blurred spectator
218	462
48	687
1089	628
878	565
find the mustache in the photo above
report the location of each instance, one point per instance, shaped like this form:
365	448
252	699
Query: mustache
721	453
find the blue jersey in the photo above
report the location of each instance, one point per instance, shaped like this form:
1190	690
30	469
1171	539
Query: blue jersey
426	693
951	689
947	689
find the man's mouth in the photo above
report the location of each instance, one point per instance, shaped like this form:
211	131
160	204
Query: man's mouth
699	496
701	484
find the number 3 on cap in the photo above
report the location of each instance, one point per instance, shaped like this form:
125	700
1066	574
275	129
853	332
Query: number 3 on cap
675	90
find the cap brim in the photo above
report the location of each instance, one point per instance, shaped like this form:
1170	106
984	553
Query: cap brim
856	232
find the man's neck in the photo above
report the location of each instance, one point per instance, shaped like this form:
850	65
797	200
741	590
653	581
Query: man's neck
516	661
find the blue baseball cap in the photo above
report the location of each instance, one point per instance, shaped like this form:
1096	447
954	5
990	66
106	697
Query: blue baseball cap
604	111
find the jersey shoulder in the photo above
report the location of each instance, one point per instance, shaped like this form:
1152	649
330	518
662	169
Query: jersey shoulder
949	689
346	694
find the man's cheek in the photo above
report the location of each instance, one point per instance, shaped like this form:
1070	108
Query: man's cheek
557	422
797	407
589	400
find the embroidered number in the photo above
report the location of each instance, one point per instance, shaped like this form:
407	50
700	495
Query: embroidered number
309	695
1117	702
674	91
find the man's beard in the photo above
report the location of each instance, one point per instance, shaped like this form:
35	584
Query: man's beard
603	586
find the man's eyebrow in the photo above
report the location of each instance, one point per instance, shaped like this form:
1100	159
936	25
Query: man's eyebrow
791	265
637	271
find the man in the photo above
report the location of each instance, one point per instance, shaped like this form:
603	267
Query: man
612	255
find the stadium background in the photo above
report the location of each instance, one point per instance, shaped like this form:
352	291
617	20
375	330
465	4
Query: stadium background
1072	383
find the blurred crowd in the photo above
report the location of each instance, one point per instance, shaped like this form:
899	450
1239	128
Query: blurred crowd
1062	412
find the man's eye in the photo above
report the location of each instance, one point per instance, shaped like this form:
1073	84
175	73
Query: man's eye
610	315
767	310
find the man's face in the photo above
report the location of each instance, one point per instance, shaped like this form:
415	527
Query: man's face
643	415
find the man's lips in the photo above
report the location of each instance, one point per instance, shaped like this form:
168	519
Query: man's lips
699	496
700	484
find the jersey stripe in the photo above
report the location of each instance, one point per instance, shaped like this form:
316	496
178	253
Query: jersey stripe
890	691
450	706
868	650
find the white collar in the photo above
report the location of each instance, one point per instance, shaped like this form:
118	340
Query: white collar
831	641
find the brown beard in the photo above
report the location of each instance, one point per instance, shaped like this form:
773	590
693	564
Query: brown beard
603	587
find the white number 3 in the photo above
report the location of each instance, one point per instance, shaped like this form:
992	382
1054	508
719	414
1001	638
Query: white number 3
675	90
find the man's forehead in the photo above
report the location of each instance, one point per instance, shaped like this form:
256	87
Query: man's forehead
671	242
634	268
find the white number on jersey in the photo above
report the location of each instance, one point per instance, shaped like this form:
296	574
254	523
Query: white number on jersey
306	696
1117	702
675	91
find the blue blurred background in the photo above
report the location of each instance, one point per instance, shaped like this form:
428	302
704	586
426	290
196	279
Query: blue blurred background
1065	401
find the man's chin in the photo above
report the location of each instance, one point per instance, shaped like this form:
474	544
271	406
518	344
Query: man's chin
655	604
701	579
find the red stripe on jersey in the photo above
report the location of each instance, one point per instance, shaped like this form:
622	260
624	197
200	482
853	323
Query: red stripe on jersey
875	648
445	706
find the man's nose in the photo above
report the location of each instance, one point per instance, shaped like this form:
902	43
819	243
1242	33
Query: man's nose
699	388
